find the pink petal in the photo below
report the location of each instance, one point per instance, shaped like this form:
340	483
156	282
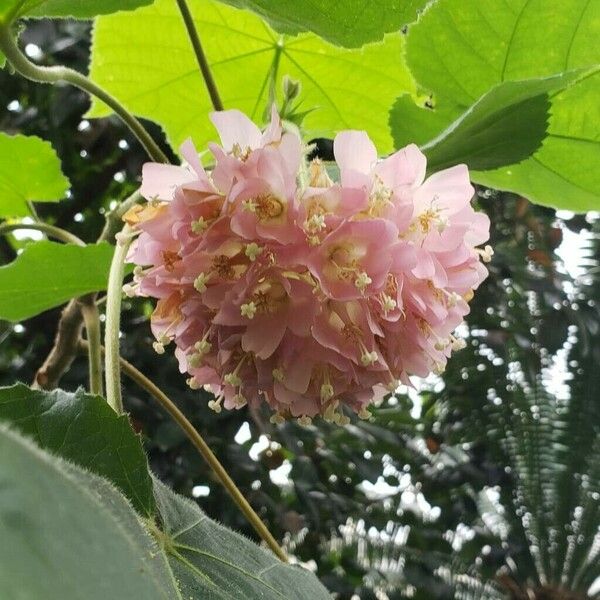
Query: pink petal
159	181
189	152
449	189
273	131
354	151
235	127
405	167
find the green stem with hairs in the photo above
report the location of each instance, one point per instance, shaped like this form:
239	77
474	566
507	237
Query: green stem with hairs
113	321
192	32
29	70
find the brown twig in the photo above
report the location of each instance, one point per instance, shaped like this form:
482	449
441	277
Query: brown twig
68	333
70	324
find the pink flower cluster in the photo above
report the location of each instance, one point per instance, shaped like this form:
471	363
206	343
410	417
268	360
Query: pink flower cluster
276	282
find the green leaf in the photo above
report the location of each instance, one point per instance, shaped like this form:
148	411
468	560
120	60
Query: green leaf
349	23
69	534
84	430
146	60
505	126
78	9
47	274
212	562
460	49
29	171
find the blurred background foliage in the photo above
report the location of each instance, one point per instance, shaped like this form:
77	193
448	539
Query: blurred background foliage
482	484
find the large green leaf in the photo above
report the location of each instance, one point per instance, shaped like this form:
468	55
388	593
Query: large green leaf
47	274
349	23
29	171
212	562
459	49
69	534
79	9
505	126
146	60
84	430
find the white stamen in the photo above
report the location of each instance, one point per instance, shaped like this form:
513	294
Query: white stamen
326	392
158	348
393	385
193	383
458	344
315	223
388	303
195	360
199	226
441	344
368	358
453	299
340	419
252	251
486	254
304	420
129	290
277	419
439	368
362	281
203	347
200	282
248	310
249	205
232	379
239	400
215	405
364	414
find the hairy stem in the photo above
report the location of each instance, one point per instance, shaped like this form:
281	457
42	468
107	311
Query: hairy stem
70	323
114	293
213	462
29	70
50	230
211	86
91	316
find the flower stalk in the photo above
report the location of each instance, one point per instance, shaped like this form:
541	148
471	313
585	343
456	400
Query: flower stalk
113	321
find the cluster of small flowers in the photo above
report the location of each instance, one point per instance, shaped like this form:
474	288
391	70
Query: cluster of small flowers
276	282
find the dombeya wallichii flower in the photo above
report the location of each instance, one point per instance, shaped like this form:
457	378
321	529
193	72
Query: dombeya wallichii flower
276	283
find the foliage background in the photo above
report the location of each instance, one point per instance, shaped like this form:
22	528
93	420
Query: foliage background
437	457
